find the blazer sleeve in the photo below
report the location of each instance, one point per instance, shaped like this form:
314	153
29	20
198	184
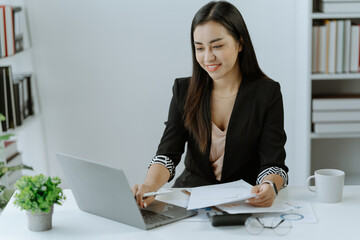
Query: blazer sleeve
271	146
175	135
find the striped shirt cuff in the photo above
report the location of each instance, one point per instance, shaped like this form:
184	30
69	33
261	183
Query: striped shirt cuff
273	170
166	162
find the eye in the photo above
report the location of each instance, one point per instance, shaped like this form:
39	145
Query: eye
198	48
218	46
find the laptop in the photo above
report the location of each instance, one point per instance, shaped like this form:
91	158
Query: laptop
104	191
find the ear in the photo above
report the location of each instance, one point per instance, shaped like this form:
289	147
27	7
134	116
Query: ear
241	44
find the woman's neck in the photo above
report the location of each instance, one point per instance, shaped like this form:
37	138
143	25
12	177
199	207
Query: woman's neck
227	86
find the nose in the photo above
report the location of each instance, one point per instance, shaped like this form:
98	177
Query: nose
209	56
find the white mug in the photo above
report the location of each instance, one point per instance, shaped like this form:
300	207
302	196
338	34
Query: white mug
329	184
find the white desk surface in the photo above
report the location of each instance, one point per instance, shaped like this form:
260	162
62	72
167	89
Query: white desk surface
335	221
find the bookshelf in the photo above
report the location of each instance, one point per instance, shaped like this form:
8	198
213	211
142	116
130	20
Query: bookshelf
28	135
333	149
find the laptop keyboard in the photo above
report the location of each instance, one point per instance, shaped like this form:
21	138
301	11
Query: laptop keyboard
152	217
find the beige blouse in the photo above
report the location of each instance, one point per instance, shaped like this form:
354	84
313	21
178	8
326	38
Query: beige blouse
217	150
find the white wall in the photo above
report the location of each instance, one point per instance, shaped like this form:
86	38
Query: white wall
105	71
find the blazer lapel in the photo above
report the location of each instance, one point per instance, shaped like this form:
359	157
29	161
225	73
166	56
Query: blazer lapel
237	128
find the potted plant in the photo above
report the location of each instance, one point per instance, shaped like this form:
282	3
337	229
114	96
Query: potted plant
37	195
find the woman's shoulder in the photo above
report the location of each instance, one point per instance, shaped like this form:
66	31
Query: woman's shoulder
182	82
263	88
181	86
266	84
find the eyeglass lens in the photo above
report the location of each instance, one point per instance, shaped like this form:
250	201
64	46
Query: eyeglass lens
280	226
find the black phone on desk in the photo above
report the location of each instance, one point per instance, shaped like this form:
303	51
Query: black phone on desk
225	219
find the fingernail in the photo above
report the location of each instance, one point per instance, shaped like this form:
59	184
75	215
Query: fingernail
145	205
247	201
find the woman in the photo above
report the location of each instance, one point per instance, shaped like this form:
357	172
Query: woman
228	112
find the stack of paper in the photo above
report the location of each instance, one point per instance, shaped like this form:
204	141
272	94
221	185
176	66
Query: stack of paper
229	197
218	194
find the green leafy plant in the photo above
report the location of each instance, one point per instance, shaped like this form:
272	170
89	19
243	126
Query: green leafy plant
38	193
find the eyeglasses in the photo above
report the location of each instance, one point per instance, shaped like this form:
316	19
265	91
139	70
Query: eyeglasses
279	225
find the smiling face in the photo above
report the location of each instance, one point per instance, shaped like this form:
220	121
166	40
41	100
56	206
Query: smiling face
217	51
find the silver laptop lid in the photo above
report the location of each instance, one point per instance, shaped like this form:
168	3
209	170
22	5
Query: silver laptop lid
101	190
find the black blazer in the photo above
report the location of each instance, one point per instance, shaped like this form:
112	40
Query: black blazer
255	137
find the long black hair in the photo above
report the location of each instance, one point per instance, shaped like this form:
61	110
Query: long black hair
197	115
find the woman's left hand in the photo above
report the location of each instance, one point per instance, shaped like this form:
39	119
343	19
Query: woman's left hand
265	195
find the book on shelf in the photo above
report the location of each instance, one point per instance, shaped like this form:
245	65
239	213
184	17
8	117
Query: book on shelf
330	45
25	85
10	149
9	111
348	6
18	100
319	42
9	28
347	40
337	127
16	97
354	46
322	49
3	101
336	102
11	31
2	32
335	116
335	46
18	29
315	49
30	97
339	46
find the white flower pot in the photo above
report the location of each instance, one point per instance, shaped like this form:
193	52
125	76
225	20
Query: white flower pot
39	222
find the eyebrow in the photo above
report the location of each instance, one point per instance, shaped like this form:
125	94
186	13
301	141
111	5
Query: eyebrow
212	41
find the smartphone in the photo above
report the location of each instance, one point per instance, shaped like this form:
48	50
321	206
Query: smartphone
225	219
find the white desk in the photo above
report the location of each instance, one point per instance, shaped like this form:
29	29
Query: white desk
335	221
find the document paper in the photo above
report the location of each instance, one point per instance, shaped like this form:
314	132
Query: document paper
302	212
217	194
242	207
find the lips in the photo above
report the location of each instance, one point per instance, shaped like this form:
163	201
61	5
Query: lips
212	67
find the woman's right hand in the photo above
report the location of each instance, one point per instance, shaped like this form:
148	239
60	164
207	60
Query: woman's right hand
156	177
138	190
